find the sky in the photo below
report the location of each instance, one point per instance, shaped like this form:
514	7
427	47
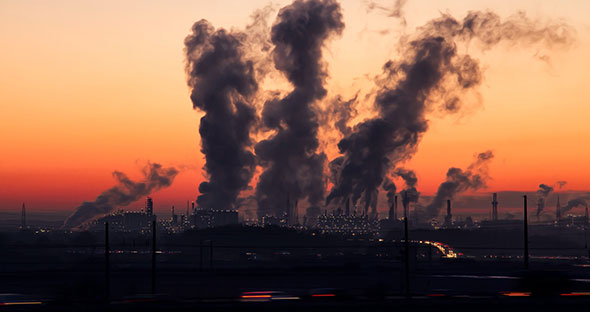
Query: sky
90	87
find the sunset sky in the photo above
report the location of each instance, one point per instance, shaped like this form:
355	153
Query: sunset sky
89	87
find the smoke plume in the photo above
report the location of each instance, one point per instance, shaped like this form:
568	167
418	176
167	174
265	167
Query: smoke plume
389	188
473	178
125	193
292	165
581	201
431	75
542	194
222	84
394	11
561	183
409	176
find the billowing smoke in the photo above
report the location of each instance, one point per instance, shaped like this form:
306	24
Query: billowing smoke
389	188
222	85
581	201
542	193
473	178
342	112
411	194
125	193
561	183
431	75
292	165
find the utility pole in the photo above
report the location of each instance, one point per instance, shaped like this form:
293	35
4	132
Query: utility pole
211	254
107	264
153	257
526	235
407	245
201	255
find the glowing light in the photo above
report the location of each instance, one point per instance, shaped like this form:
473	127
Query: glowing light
516	294
324	295
21	303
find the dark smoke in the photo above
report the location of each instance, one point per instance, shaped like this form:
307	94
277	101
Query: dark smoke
222	85
292	166
431	75
572	204
389	188
342	112
561	184
474	178
409	176
125	193
542	194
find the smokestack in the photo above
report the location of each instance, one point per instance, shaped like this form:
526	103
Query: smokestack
288	211
526	233
495	207
192	208
149	206
23	220
395	207
449	208
296	213
391	211
347	210
449	216
558	210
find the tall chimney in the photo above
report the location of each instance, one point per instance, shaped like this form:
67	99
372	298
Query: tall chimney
23	216
149	206
449	216
288	211
395	207
558	210
347	210
391	209
495	207
449	208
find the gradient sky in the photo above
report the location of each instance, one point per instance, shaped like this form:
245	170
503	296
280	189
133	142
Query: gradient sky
89	87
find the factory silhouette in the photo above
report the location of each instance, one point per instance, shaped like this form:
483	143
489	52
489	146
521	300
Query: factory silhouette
278	224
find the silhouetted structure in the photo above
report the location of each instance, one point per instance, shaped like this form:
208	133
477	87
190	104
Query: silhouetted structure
347	211
23	218
449	216
149	206
558	210
526	234
495	207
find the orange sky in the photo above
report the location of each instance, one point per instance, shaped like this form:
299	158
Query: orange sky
91	87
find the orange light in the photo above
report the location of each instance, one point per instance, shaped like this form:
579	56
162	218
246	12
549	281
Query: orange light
516	294
324	295
21	303
255	296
